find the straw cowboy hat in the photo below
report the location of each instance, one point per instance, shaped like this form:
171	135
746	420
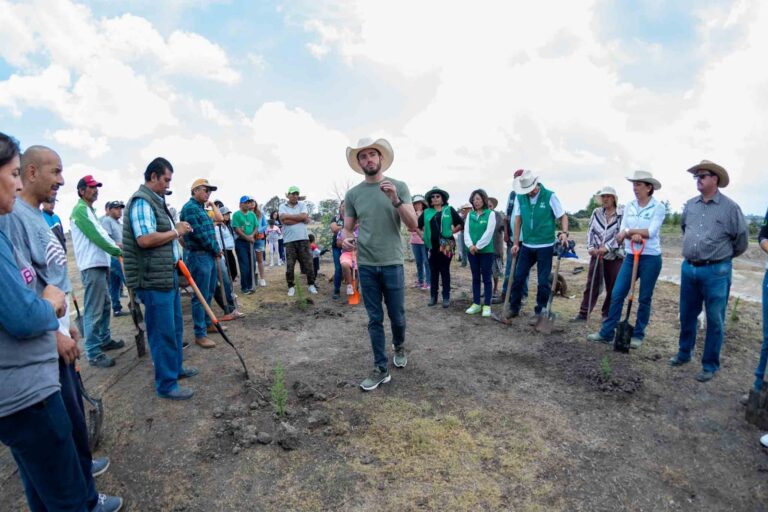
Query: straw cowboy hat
645	177
525	183
437	190
418	198
381	145
712	167
608	191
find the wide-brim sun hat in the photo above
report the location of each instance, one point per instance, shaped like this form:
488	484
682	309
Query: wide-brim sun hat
608	191
645	177
525	183
418	198
381	145
436	190
712	167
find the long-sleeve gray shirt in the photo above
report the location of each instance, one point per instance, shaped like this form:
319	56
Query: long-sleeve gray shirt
713	230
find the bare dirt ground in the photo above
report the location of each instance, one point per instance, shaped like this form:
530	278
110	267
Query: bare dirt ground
484	417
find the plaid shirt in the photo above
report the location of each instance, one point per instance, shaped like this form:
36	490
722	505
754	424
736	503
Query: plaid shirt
203	234
143	222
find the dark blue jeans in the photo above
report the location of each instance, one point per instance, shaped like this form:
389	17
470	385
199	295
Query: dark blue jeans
387	283
116	281
243	252
507	270
648	270
482	268
707	285
203	270
165	330
97	310
760	371
527	258
40	439
337	274
73	402
422	263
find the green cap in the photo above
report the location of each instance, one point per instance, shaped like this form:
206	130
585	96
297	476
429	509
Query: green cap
293	190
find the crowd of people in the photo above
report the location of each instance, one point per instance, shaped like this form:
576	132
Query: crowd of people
40	346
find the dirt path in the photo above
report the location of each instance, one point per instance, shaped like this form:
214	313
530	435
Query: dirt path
485	417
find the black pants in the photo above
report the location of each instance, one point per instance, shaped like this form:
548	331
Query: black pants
440	266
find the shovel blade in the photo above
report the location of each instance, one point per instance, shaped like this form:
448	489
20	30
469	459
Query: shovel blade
546	322
623	337
354	299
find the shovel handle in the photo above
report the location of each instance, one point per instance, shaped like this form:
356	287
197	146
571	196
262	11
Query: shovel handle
637	252
200	298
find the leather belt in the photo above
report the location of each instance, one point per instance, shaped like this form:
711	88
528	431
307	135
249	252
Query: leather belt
704	263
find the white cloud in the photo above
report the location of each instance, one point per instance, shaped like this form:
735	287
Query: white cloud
82	140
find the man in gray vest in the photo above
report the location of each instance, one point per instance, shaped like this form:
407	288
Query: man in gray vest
150	244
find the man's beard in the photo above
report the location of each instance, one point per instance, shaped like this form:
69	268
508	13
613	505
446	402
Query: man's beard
372	172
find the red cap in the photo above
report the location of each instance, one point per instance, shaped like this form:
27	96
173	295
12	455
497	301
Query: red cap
519	173
87	181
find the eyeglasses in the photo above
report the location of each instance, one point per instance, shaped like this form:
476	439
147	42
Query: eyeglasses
701	176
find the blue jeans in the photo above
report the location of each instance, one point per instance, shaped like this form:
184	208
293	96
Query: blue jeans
40	439
386	283
422	263
337	274
203	270
482	267
97	311
73	403
243	252
648	270
165	330
760	371
507	270
527	258
116	281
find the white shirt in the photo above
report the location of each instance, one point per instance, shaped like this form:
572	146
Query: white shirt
651	218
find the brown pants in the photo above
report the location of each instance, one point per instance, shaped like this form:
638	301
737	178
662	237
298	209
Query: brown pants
609	269
298	251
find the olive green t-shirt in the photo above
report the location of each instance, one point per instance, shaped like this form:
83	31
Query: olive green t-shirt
379	242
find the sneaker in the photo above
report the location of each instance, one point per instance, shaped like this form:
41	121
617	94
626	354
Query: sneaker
425	286
178	394
635	342
705	376
108	504
291	291
237	314
312	289
102	361
400	359
205	342
578	318
446	303
473	309
248	292
595	336
99	466
184	344
486	312
120	313
432	301
377	376
416	284
113	345
350	290
228	317
262	282
676	361
189	371
744	399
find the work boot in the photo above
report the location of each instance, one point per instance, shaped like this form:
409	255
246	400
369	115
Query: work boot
102	361
178	394
705	376
205	342
446	303
189	371
635	342
113	345
595	336
120	313
432	301
676	361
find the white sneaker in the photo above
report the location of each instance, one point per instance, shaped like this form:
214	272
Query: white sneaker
350	290
312	289
764	440
271	264
291	291
262	282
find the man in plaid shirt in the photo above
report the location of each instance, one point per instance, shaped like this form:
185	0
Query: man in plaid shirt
200	253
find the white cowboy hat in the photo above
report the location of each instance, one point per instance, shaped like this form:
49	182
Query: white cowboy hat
525	183
712	167
381	145
645	177
608	191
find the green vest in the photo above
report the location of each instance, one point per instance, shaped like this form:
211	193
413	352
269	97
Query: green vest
543	229
446	223
477	227
151	269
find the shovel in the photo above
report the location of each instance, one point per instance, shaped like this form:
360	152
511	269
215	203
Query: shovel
209	312
95	412
78	318
624	330
547	317
598	263
505	308
229	273
138	318
354	299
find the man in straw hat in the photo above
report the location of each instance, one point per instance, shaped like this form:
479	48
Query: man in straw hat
295	217
379	205
714	232
535	213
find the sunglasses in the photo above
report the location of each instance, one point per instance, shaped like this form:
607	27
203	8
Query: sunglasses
435	195
701	176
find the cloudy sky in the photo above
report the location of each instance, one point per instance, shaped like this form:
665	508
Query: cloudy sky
259	95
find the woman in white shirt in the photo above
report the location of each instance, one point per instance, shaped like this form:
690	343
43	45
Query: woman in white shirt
642	221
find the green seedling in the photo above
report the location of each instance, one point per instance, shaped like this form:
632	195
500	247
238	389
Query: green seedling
279	393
